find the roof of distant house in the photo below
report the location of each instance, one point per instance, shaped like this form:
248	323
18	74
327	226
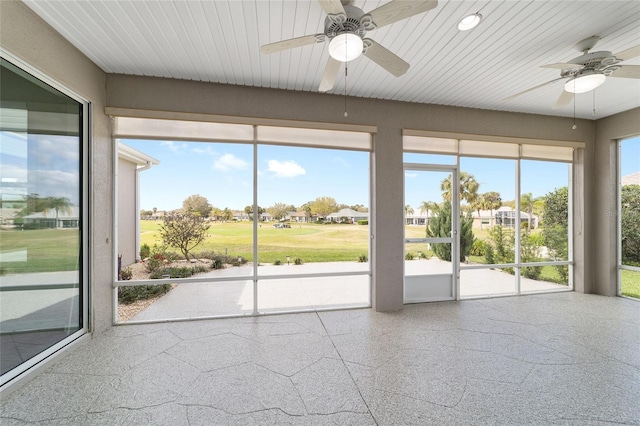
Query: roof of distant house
632	179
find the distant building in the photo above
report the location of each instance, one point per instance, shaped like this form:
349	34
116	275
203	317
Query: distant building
69	218
349	215
632	179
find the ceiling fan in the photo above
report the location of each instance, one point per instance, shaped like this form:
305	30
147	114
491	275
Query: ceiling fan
589	70
345	28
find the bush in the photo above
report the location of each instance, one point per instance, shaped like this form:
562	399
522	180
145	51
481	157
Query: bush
126	274
145	251
409	256
177	272
277	262
363	222
363	258
128	295
297	261
478	248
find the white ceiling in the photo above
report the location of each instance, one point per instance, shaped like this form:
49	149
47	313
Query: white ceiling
219	41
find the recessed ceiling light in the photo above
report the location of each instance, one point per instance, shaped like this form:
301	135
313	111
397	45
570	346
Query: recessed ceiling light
469	21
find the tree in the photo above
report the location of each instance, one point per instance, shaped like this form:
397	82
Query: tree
196	204
556	226
278	210
425	206
408	210
324	206
478	204
492	201
184	231
468	188
249	210
630	223
58	204
440	227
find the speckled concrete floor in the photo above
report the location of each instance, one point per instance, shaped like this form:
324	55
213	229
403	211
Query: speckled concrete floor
566	359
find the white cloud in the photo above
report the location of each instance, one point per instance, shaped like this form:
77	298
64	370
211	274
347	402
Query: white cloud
174	146
285	169
342	162
229	162
207	150
411	175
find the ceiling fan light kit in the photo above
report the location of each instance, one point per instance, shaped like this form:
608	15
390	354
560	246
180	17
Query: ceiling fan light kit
469	22
585	82
345	28
345	47
589	70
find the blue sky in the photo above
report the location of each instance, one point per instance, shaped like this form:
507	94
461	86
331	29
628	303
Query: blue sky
223	174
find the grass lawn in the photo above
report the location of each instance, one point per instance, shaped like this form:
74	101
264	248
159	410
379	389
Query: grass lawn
47	250
631	283
309	242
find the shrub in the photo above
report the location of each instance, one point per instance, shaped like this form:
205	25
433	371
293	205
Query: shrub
478	248
363	222
217	263
145	251
409	256
277	262
297	261
126	274
363	258
128	295
179	272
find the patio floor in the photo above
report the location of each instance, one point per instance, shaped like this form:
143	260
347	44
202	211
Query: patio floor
558	359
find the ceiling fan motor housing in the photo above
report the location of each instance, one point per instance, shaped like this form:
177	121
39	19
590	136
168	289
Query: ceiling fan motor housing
355	22
603	62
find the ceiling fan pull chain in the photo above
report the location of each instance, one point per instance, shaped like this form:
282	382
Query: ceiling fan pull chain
574	108
594	104
345	88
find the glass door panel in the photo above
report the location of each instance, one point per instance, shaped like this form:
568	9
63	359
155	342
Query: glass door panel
430	233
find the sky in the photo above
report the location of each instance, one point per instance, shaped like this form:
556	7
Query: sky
223	174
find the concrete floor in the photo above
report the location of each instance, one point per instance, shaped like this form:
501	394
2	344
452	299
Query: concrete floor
564	358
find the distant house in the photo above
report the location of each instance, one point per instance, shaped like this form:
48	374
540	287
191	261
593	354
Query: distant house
632	179
505	216
418	217
298	217
62	219
130	163
8	216
349	215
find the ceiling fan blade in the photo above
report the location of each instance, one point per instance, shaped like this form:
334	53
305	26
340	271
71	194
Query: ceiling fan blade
279	46
330	75
632	52
564	99
562	66
400	9
531	89
386	59
627	71
332	7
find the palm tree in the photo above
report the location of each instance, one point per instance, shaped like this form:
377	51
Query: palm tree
479	204
59	204
468	188
408	210
492	201
526	202
425	206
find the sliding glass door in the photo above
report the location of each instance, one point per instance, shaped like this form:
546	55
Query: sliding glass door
42	231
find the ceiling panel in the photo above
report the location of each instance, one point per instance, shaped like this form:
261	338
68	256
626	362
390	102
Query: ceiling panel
219	41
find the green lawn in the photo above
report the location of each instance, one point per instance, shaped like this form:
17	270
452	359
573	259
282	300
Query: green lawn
310	242
47	250
631	283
